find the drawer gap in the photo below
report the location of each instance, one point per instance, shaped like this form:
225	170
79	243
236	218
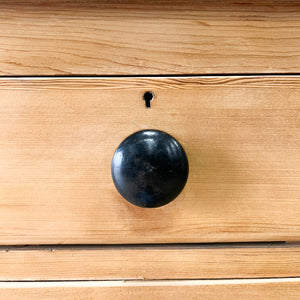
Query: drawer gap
97	76
49	247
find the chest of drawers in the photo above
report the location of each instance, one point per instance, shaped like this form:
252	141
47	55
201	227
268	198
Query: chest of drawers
225	84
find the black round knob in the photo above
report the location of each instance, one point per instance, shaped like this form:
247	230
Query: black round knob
150	168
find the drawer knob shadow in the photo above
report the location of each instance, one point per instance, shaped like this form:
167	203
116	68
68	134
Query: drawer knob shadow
150	168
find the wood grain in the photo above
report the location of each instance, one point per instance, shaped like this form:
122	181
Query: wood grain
266	289
113	263
58	136
149	37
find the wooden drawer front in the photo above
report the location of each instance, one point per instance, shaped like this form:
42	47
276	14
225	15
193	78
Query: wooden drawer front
153	262
58	136
148	37
267	289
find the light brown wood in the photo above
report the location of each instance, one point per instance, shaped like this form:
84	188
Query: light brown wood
271	289
149	37
103	263
58	136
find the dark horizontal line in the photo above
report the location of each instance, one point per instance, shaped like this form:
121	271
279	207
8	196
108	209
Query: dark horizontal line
48	247
251	279
152	75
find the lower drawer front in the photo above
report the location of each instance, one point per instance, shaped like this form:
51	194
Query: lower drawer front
152	262
207	289
58	137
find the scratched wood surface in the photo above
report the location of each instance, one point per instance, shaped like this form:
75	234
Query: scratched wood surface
148	37
152	262
58	136
267	289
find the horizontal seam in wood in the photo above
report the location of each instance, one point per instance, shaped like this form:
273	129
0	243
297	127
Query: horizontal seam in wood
150	75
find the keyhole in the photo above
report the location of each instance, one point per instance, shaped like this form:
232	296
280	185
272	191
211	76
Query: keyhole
148	97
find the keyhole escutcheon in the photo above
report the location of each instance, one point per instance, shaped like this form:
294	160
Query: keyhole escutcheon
148	97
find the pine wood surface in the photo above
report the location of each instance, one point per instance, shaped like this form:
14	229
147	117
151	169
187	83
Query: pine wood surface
149	263
39	37
266	289
58	136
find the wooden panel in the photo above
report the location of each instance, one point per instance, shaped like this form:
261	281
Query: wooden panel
148	37
58	136
271	289
103	263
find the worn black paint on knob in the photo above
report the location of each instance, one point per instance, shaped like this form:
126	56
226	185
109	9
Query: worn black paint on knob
150	168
